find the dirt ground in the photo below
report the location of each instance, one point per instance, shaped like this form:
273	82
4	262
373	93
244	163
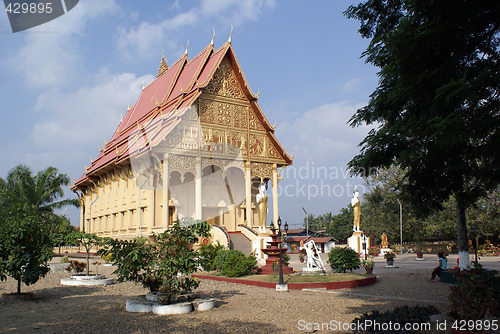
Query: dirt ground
54	308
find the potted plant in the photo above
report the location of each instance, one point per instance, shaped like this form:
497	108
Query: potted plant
368	265
374	251
301	257
419	252
389	257
164	262
475	298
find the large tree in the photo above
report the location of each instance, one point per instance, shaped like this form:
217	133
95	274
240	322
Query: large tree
437	102
28	223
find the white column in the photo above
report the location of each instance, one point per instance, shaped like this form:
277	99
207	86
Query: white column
150	202
275	193
166	213
248	194
197	181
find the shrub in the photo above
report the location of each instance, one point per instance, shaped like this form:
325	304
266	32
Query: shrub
343	259
76	266
233	263
165	262
401	315
285	258
476	294
65	259
208	253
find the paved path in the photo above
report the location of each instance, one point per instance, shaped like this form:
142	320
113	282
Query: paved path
406	262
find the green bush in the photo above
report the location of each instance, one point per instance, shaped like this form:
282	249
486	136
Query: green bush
475	295
164	262
208	254
343	259
401	315
233	263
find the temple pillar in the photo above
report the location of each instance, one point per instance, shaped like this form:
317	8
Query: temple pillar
248	195
197	180
275	193
165	213
150	202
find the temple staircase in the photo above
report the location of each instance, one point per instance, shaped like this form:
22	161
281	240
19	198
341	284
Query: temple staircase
240	242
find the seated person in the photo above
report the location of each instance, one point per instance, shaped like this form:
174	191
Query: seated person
443	265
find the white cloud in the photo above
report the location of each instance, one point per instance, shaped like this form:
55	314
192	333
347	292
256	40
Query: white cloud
351	85
50	56
140	40
77	119
323	135
137	41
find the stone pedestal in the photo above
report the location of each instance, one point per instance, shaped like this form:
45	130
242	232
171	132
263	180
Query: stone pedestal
356	242
258	244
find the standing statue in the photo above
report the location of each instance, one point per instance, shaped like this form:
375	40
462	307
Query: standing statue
262	205
355	205
385	242
313	260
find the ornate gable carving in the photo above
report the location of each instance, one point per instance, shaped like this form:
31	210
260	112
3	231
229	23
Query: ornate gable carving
224	82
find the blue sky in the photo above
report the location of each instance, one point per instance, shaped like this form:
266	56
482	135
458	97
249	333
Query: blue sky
64	84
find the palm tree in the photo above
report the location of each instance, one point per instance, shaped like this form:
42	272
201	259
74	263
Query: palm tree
28	221
41	192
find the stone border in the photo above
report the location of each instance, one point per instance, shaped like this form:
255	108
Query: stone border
142	305
297	286
81	281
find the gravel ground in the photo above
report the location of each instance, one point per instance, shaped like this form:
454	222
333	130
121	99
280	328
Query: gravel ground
54	308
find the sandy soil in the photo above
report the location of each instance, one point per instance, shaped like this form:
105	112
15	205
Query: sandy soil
240	309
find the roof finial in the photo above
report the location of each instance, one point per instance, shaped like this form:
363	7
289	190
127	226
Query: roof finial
105	142
187	47
128	104
231	34
274	126
163	65
258	93
213	36
91	160
121	116
143	84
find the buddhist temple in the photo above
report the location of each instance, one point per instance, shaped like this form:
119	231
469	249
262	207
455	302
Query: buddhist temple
195	144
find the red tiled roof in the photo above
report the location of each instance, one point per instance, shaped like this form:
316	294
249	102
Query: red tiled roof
160	106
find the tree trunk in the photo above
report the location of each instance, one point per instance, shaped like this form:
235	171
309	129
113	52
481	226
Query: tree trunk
88	261
19	286
462	240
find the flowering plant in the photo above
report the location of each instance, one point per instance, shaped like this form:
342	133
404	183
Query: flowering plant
390	255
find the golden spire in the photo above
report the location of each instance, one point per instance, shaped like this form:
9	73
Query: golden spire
105	142
128	105
143	86
187	47
86	168
213	36
258	93
231	34
91	160
163	65
274	126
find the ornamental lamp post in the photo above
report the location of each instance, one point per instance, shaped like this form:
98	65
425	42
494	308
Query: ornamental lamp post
364	239
280	282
